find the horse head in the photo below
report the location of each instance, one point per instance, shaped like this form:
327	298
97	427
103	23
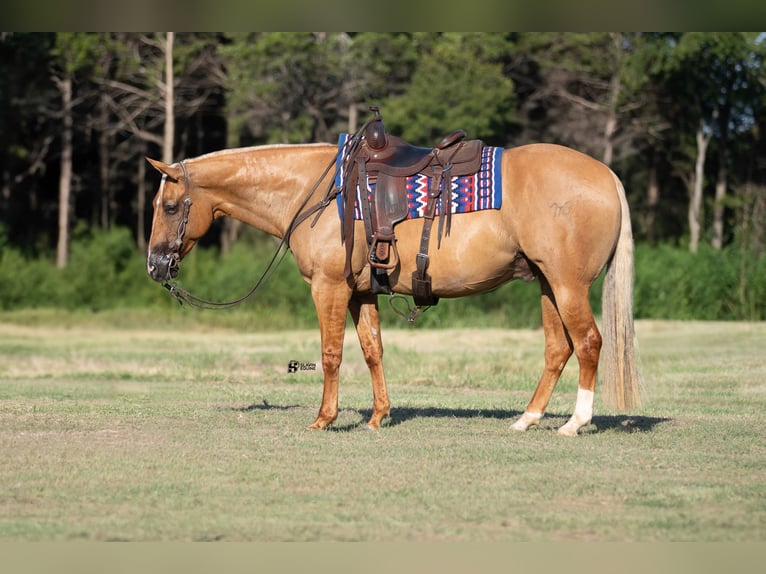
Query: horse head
180	218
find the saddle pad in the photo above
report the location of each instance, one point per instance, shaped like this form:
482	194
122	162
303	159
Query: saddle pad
482	190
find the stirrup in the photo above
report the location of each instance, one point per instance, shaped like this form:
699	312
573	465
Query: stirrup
376	261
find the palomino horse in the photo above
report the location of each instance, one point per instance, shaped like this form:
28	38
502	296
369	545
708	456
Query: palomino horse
564	217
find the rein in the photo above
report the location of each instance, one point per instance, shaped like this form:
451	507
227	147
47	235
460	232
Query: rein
183	296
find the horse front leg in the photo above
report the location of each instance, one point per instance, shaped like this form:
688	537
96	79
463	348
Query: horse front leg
364	311
331	301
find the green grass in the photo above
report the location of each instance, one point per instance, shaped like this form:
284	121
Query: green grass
189	432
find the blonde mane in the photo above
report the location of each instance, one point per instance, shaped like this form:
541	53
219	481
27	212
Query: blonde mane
238	150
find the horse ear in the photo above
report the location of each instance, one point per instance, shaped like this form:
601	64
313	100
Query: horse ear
172	171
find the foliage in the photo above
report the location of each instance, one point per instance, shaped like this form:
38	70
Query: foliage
286	87
635	100
458	83
76	52
638	101
383	64
106	272
671	283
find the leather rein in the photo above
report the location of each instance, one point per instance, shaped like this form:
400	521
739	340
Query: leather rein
184	296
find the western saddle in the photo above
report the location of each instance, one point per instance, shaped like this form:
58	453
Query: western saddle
386	161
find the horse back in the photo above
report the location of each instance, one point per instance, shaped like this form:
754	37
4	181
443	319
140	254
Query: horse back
560	211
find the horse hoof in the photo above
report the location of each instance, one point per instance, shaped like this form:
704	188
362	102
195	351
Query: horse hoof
318	425
567	431
526	421
374	424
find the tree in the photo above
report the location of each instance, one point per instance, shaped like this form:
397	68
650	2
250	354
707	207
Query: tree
286	87
381	65
28	100
714	77
679	116
586	90
169	134
73	55
159	81
458	82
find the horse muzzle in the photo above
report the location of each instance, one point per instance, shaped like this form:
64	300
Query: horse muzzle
163	266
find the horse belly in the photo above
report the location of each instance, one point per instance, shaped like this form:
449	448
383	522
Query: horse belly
477	255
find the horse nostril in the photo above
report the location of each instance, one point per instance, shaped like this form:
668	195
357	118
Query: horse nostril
162	266
155	268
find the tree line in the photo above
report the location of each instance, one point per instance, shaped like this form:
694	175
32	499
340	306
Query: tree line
679	116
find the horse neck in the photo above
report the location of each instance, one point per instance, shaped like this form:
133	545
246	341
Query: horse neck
262	186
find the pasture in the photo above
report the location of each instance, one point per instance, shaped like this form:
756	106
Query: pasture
191	432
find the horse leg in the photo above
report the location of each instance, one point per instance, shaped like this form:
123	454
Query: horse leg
574	309
364	311
558	349
331	302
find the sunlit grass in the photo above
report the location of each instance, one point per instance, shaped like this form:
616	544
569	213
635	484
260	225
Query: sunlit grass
199	434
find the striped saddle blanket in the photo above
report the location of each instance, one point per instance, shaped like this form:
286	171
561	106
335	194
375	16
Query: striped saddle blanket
475	192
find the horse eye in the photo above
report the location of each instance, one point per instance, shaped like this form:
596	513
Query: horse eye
170	208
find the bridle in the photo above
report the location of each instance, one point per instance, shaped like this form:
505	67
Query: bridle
175	256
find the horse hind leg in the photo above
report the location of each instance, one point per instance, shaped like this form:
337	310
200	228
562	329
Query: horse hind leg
577	316
558	349
364	312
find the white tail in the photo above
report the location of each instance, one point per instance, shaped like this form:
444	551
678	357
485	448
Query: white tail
621	381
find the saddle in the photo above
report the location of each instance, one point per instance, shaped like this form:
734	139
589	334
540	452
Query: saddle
386	162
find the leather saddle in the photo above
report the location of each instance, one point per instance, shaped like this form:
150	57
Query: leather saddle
385	162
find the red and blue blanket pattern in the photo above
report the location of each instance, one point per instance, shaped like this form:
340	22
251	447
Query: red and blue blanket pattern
482	190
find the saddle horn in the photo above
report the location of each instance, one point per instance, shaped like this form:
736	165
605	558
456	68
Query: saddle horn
375	134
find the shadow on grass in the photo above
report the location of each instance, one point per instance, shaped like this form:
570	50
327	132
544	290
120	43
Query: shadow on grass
551	421
618	423
627	423
400	415
265	406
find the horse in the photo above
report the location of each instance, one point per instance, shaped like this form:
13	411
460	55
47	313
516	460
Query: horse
564	218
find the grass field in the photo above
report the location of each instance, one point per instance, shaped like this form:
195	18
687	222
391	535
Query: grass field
113	432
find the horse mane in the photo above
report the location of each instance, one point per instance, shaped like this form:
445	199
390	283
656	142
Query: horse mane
239	150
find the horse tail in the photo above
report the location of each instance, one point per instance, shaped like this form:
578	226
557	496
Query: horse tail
621	381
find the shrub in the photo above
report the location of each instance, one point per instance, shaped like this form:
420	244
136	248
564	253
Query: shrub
107	272
672	283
